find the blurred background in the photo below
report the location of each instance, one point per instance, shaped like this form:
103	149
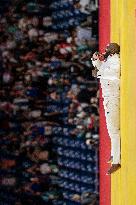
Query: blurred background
49	114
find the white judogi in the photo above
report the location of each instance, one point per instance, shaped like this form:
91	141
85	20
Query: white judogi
109	74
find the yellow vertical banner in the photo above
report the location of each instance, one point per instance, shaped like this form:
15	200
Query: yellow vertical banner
123	31
115	37
115	21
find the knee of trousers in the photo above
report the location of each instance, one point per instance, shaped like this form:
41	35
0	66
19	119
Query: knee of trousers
113	122
113	133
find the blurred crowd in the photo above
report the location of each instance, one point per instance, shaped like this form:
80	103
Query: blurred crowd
46	89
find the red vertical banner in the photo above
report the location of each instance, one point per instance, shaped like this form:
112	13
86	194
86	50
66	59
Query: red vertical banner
104	39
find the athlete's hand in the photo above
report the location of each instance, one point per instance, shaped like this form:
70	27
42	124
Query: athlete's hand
94	72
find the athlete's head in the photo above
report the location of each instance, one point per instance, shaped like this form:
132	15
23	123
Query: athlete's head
112	48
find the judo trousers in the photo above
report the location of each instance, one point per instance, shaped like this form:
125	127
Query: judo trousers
111	102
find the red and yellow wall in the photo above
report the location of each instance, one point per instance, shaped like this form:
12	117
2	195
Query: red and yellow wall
117	23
